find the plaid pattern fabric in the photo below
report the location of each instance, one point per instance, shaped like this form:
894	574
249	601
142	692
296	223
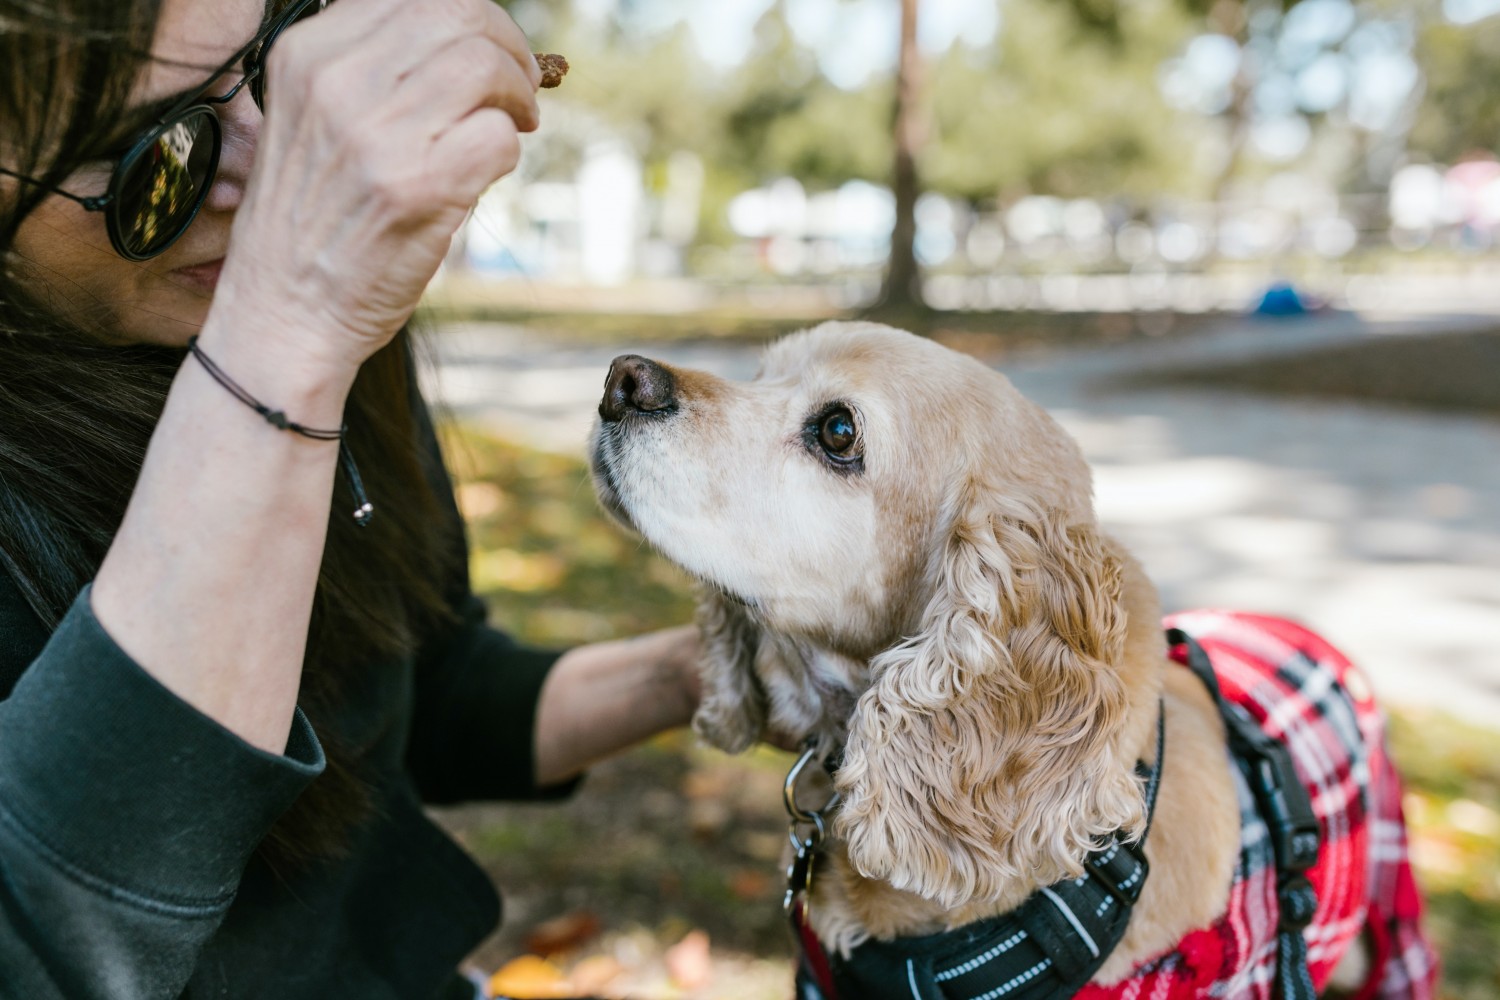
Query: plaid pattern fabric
1304	693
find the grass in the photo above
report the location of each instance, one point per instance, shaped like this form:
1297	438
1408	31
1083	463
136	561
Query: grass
673	837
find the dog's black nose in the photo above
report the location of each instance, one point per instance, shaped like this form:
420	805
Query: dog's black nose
635	384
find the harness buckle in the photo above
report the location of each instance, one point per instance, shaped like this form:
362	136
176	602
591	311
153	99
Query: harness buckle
1125	895
1295	834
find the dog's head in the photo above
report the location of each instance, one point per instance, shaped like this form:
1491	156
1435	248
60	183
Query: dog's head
885	500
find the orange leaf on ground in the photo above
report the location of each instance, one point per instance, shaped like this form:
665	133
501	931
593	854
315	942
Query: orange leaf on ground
564	933
749	884
529	978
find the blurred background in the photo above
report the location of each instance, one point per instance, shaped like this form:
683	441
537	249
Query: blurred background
1245	250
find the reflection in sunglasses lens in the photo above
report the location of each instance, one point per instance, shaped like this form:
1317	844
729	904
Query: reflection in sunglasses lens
166	183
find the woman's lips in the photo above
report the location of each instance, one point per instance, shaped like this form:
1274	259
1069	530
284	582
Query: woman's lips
202	276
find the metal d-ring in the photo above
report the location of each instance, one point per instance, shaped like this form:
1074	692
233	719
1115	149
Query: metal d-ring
814	837
799	874
789	790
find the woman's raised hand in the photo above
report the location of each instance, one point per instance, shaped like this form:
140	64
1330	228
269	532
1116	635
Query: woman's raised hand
385	121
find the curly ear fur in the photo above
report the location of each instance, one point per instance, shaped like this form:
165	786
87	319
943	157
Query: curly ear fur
987	750
732	711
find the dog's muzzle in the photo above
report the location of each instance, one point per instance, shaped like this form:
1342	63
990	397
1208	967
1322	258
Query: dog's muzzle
634	387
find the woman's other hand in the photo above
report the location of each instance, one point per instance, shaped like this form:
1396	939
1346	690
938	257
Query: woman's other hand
385	121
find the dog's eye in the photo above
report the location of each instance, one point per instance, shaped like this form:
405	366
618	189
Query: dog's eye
836	432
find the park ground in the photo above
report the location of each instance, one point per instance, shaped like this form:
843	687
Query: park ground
1335	469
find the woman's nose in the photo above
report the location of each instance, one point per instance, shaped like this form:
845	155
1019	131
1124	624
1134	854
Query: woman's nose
241	122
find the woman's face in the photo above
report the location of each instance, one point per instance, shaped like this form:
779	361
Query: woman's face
63	252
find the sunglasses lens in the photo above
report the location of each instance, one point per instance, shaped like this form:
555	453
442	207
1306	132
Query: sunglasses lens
160	190
297	10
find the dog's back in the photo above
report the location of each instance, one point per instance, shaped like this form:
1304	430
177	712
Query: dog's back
1305	694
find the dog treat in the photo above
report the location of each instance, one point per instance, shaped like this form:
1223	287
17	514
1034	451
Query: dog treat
554	68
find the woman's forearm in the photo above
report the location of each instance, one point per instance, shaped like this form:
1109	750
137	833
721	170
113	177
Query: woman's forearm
605	697
209	582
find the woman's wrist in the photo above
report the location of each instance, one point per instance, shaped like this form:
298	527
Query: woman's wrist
275	361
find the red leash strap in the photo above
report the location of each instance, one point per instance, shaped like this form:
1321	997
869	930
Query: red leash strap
814	958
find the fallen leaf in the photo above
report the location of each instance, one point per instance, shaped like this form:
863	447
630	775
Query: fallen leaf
706	784
562	933
688	961
594	973
529	978
749	884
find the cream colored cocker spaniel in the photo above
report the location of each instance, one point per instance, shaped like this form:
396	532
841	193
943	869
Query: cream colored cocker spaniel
899	555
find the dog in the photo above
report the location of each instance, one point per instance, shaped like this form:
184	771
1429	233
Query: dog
900	561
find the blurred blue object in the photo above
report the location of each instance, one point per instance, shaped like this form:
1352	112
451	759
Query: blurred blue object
1281	299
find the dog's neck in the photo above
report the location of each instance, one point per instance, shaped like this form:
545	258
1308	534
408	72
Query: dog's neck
853	907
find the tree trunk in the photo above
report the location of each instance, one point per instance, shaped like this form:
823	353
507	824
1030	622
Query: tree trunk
1232	18
903	281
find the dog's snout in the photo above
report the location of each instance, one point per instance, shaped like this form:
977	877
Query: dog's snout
636	384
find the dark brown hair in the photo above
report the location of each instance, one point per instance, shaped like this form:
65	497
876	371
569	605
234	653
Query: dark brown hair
77	412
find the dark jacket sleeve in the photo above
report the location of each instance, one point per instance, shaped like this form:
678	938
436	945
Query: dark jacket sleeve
473	724
126	816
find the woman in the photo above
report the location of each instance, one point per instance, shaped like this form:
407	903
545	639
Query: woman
225	698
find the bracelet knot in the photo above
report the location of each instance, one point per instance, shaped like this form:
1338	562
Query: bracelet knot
363	510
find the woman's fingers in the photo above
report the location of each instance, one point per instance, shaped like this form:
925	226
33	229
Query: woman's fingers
478	151
386	120
470	73
504	32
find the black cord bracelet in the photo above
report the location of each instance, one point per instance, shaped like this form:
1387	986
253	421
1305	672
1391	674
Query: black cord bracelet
363	510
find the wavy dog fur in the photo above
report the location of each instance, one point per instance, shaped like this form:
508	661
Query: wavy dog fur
988	749
944	606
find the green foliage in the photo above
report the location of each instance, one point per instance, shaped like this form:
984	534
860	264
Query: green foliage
1460	111
784	119
1054	108
1051	107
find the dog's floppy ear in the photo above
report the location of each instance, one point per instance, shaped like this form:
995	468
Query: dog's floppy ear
987	749
732	711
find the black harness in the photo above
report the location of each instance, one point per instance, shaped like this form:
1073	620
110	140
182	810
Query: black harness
1052	944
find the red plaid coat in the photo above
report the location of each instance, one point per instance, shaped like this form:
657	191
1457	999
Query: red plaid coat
1304	693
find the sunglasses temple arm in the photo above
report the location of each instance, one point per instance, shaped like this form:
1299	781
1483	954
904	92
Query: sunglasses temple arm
94	204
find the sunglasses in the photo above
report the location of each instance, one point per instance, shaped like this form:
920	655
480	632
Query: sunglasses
158	186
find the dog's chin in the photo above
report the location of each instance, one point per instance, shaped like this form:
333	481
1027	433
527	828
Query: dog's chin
748	603
607	489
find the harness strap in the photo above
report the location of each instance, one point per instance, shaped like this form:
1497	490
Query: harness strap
1287	810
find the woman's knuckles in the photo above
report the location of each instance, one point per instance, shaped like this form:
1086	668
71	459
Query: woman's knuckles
480	150
377	167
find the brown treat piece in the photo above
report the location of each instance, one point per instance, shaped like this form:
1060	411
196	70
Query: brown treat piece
554	67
